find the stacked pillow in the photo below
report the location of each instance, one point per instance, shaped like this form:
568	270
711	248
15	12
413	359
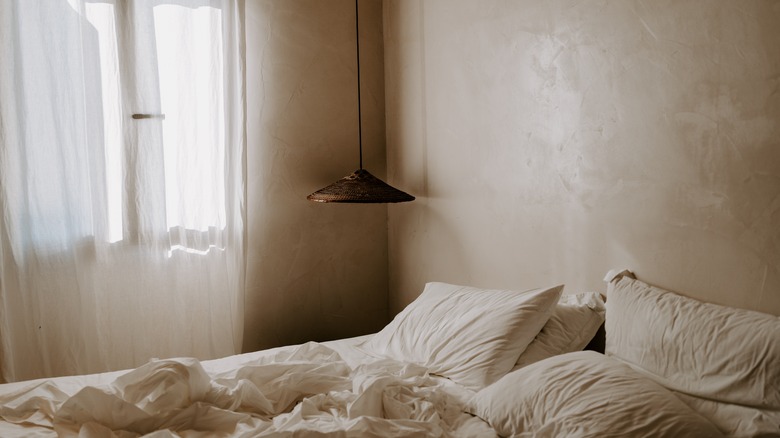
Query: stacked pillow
472	336
702	349
674	366
723	361
572	325
585	394
475	336
520	352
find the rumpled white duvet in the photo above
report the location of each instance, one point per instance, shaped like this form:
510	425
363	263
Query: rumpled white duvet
298	391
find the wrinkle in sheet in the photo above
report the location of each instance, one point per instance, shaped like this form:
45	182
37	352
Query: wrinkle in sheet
311	390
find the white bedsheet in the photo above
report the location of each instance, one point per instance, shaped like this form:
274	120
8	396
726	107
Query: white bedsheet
329	388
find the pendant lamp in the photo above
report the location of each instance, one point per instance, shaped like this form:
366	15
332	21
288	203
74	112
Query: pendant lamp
360	186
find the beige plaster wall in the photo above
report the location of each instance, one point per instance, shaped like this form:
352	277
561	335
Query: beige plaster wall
549	141
314	271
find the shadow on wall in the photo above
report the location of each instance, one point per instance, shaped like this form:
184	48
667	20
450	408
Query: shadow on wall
315	272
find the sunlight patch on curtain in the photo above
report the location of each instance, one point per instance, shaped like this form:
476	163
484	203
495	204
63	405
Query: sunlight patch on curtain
193	133
101	17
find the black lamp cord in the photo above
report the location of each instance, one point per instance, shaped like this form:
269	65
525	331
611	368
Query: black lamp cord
360	118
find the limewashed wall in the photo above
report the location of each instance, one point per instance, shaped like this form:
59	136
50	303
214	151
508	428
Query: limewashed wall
314	271
549	141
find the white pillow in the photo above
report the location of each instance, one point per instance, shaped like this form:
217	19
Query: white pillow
472	336
585	394
705	350
572	325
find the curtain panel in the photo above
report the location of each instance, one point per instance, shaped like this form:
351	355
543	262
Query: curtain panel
122	183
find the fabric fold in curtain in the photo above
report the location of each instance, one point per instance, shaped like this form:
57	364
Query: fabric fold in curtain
122	183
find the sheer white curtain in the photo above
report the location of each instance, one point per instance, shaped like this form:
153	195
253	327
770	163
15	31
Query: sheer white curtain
122	183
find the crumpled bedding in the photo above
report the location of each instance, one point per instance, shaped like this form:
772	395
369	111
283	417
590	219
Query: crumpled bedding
304	391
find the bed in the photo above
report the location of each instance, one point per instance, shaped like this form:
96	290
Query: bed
510	364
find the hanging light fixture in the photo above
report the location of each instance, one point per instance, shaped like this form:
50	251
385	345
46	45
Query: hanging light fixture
360	186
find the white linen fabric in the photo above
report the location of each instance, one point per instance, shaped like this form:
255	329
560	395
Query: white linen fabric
702	349
472	336
585	394
573	323
121	237
735	420
292	391
721	355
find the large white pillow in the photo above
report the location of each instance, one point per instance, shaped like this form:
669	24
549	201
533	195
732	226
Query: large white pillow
472	336
585	394
572	325
701	349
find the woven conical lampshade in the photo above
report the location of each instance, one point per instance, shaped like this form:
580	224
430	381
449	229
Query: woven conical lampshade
361	187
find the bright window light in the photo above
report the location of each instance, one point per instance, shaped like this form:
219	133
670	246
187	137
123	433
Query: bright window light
190	64
101	17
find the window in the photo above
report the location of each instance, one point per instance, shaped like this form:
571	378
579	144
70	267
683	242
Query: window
164	59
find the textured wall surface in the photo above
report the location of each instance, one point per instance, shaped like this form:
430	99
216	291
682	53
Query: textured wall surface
315	271
549	141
